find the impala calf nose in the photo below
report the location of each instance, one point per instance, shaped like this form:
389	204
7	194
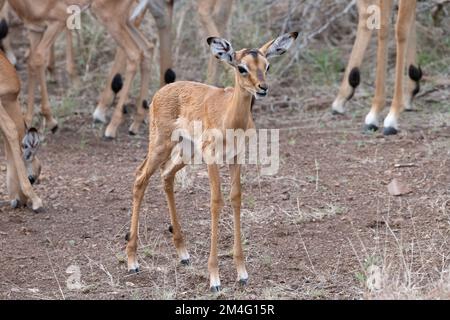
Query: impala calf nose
264	87
32	179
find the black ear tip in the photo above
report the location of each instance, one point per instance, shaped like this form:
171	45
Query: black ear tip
210	39
295	35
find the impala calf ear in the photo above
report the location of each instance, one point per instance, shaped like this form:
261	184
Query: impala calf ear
222	50
279	46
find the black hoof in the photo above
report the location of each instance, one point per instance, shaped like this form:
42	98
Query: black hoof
215	289
186	262
243	282
109	139
368	128
131	133
133	271
16	204
39	210
127	237
171	229
97	121
55	129
336	113
390	131
411	110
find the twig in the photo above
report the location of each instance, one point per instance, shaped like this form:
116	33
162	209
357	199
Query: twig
56	278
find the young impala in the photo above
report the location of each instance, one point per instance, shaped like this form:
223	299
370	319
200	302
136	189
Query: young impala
21	145
177	107
406	61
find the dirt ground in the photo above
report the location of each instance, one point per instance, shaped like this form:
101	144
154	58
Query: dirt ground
316	230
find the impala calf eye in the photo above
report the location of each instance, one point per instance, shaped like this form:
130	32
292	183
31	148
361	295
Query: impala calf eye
242	70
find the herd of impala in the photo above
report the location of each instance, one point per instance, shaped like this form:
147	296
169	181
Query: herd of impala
178	104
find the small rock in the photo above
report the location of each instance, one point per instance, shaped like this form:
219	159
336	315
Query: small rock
398	188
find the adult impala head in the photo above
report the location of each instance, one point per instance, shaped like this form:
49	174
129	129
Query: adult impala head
251	65
30	146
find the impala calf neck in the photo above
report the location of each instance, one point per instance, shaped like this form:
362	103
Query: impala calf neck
179	105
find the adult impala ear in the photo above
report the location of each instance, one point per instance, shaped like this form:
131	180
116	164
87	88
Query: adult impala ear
222	50
279	46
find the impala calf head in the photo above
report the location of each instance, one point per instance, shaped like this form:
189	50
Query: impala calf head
30	146
251	65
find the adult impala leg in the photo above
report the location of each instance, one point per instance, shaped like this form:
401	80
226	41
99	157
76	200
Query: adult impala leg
407	10
372	122
162	12
216	207
70	59
142	102
352	74
37	65
235	171
122	34
414	70
107	94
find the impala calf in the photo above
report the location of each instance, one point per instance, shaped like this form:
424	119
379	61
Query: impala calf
405	63
177	107
21	145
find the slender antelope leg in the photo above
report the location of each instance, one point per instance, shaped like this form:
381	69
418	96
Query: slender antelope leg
123	35
37	63
107	94
162	14
51	63
414	71
407	10
235	171
155	157
352	74
178	239
142	104
13	154
372	122
34	38
216	207
70	62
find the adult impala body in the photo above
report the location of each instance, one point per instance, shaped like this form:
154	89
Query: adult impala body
178	106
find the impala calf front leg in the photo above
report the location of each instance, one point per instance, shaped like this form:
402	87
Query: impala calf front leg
236	201
216	207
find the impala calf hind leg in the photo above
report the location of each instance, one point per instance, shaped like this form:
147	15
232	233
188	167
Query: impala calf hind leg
178	240
155	158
